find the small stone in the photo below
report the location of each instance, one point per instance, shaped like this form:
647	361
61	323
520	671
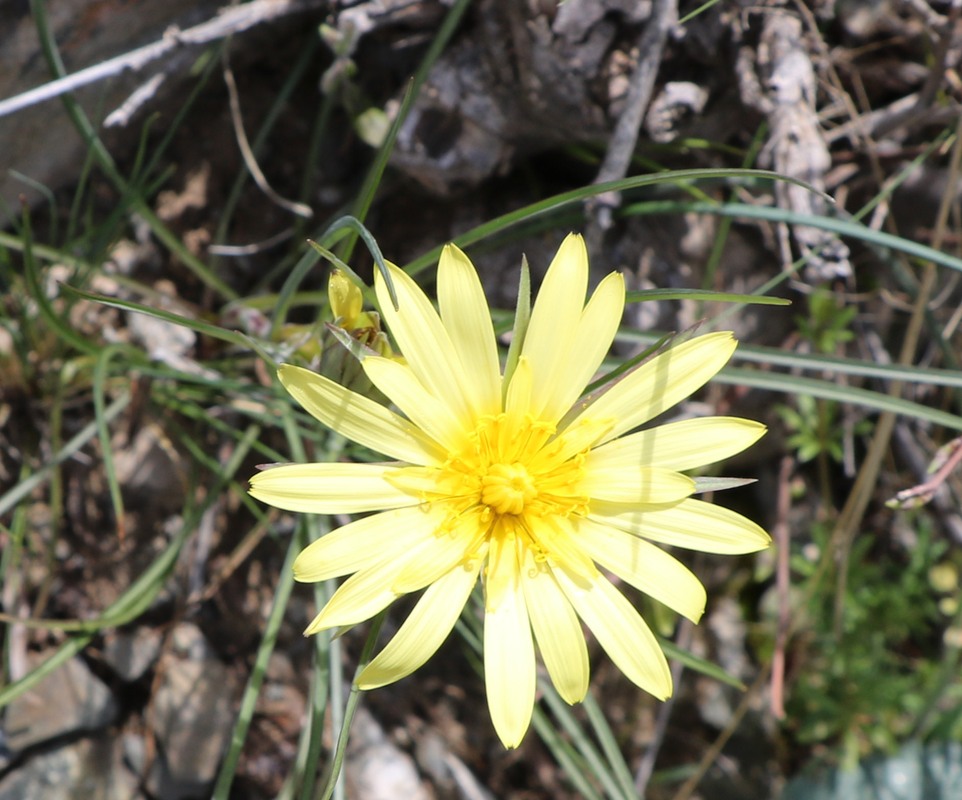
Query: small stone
193	712
69	700
376	769
131	653
46	776
91	768
151	472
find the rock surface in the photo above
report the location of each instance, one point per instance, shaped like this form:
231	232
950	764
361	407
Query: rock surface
91	769
193	711
70	700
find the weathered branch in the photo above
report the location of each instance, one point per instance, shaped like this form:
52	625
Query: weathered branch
228	21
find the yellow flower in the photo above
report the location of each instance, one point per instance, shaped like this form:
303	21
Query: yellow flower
346	300
347	303
527	486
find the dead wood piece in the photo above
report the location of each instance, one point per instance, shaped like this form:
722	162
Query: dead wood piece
677	101
38	138
228	22
932	491
796	146
625	137
525	80
356	20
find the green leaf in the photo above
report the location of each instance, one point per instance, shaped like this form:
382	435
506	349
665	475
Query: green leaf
720	484
522	315
214	331
698	664
642	295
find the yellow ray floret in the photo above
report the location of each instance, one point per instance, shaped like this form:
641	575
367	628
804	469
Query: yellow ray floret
535	495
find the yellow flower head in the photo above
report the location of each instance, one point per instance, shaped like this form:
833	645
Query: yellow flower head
527	486
347	303
346	300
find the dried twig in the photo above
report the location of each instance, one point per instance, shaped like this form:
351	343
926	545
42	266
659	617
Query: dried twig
781	532
947	458
919	108
711	754
942	503
862	492
929	91
646	768
796	147
622	145
120	117
250	160
234	19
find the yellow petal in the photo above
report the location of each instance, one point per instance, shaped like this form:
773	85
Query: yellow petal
501	566
657	385
621	631
648	568
517	403
360	597
557	631
558	537
345	298
509	665
450	547
633	484
359	419
422	633
432	416
590	343
328	488
680	445
554	321
427	483
467	318
574	439
364	542
693	524
425	343
369	591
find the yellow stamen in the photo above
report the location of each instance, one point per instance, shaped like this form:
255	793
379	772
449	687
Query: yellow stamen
507	487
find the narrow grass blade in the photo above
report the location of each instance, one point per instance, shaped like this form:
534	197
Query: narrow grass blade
843	227
214	331
564	199
11	497
866	398
704	296
698	664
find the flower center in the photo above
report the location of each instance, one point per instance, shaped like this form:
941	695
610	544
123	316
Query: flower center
507	487
506	475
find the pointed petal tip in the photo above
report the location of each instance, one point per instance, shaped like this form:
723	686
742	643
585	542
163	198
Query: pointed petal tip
723	338
765	541
664	689
367	681
451	250
756	538
511	734
317	625
572	698
511	738
301	569
287	373
573	246
754	542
